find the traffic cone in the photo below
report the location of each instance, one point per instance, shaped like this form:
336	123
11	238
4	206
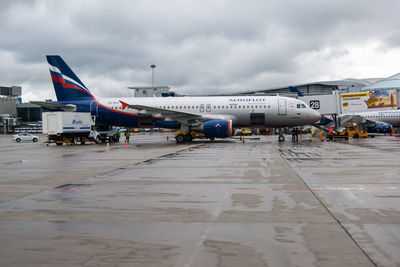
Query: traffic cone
167	138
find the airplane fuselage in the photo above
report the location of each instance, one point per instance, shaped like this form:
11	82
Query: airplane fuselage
254	111
388	116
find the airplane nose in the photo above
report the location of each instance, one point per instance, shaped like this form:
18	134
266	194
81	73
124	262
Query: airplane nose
315	115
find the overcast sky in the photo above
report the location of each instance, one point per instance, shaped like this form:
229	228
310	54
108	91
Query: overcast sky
199	47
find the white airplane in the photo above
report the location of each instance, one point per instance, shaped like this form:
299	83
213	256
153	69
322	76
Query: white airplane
391	117
212	116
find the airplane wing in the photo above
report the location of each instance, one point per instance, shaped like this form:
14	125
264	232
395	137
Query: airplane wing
175	115
54	106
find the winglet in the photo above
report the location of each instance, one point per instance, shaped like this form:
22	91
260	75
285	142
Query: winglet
124	105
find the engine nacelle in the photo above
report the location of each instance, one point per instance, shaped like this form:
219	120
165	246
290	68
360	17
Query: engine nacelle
385	128
215	128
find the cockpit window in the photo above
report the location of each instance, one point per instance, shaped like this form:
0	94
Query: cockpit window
301	106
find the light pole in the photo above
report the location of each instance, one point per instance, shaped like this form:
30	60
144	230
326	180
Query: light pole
152	68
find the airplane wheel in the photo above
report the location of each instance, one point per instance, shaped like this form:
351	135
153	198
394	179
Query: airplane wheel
180	138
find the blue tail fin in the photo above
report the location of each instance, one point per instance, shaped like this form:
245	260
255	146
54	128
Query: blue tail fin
66	84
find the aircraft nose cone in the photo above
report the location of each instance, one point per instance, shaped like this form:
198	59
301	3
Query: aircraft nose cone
315	115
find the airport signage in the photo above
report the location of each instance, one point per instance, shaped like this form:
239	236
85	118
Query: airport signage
372	100
315	104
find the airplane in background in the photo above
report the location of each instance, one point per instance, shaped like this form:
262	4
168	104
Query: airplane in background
377	121
372	120
212	116
391	117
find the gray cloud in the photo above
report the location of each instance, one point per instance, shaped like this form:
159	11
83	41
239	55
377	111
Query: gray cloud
198	46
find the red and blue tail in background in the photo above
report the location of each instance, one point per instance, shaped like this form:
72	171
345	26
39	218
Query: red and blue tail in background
67	85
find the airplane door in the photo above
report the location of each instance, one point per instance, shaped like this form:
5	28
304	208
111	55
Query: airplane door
94	108
282	107
202	108
208	108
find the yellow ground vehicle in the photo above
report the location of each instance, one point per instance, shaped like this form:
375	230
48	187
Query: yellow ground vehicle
245	132
354	131
350	130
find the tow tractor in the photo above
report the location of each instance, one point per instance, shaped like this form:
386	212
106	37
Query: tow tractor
186	137
350	130
355	131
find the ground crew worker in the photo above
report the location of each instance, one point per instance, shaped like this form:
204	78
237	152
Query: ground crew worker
127	134
293	134
330	133
118	135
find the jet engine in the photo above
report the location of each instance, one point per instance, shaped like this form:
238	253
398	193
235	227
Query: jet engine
215	128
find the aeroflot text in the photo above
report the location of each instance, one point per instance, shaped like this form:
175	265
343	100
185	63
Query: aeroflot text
246	100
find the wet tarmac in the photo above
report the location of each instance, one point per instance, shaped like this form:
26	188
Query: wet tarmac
227	203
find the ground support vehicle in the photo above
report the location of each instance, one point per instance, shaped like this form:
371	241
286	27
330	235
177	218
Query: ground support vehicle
186	137
104	134
355	131
67	127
